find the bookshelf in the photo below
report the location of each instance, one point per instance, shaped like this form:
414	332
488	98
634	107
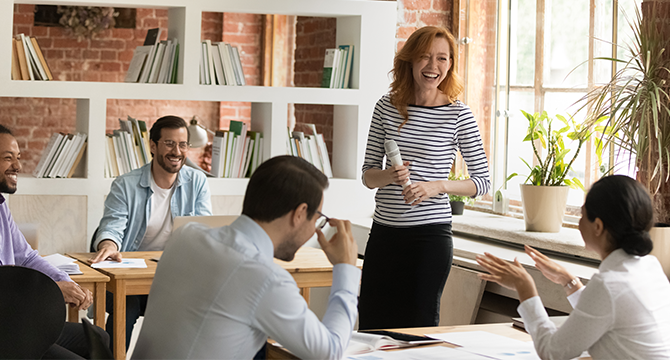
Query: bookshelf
368	25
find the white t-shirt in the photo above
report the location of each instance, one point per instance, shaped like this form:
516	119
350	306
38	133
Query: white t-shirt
159	227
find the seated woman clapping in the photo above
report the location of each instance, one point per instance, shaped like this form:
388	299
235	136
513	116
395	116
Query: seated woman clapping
624	312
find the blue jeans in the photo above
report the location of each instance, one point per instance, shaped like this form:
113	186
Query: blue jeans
135	306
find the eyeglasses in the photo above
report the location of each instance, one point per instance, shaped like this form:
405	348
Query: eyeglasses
322	220
183	146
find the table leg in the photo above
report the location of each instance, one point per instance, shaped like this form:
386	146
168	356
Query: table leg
120	320
305	294
99	303
72	314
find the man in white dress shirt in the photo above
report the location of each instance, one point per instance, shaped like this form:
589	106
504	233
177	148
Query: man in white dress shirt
218	294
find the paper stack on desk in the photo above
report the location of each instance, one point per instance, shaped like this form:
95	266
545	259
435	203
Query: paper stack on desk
64	263
124	263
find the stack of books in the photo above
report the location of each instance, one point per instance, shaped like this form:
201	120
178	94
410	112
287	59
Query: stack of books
61	156
28	62
128	148
220	64
311	148
236	153
155	61
337	67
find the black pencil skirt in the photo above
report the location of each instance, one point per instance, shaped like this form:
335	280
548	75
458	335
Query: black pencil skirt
404	273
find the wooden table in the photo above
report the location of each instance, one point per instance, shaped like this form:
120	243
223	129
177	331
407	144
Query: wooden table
504	329
96	282
309	268
125	282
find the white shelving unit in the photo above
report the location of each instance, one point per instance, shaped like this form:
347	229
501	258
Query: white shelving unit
368	25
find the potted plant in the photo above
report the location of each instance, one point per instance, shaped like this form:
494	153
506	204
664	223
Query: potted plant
545	193
458	202
636	102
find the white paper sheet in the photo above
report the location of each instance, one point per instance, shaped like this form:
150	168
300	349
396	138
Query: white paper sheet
491	345
125	263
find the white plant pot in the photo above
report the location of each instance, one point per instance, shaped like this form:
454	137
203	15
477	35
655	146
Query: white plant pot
660	236
544	207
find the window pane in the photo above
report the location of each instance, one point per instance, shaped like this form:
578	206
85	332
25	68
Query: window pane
602	44
566	43
522	42
516	149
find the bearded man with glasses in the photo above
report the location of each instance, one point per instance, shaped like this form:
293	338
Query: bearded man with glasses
226	304
142	204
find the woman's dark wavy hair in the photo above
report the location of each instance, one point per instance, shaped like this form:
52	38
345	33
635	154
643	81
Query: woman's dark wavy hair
624	206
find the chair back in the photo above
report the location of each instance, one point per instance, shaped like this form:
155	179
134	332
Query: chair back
210	220
97	348
32	313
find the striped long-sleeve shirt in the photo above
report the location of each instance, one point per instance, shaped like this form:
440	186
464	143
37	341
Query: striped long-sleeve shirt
429	140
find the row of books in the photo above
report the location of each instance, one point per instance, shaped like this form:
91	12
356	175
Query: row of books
220	64
337	67
28	62
236	153
155	61
311	148
127	148
61	156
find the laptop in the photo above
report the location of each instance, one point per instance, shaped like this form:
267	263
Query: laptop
209	220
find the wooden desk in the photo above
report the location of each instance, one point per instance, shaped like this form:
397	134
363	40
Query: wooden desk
125	282
504	329
96	282
309	268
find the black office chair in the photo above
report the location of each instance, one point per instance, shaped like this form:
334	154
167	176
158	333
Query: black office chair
32	313
98	350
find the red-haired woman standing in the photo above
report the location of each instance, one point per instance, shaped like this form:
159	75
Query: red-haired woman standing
409	251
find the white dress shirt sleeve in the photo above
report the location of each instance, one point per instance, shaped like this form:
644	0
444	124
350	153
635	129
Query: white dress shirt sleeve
589	320
284	316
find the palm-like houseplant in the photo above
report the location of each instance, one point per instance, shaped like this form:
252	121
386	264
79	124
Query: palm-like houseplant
636	103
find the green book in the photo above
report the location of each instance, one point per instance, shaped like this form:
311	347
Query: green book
328	64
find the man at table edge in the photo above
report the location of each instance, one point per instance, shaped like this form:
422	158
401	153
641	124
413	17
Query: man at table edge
217	293
15	250
142	204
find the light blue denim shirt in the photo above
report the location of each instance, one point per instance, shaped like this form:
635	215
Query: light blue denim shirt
128	205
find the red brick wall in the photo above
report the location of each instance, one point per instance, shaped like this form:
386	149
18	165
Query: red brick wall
107	59
419	13
313	36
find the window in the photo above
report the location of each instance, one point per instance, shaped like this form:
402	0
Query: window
543	61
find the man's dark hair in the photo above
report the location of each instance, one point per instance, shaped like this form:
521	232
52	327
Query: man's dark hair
5	130
166	122
279	185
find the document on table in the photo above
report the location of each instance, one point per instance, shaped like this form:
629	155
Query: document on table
127	263
64	263
491	345
422	353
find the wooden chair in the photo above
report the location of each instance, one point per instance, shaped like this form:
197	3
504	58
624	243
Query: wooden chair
32	313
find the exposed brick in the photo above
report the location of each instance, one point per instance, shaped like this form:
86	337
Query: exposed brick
91	54
435	19
405	31
417	4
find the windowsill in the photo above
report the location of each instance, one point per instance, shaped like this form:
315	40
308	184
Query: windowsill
504	229
511	230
